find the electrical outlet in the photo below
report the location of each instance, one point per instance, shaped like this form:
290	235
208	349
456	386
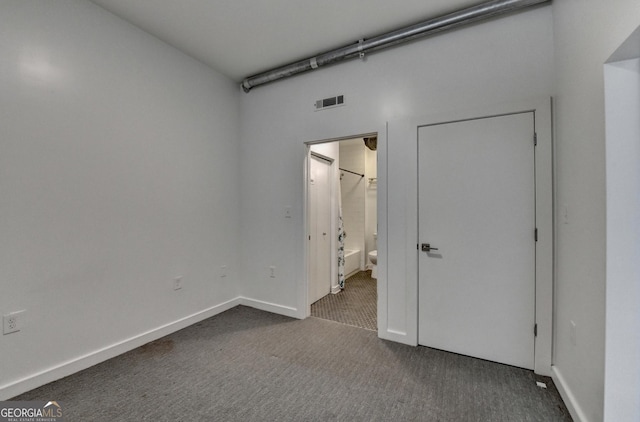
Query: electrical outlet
177	283
272	271
223	271
12	322
572	332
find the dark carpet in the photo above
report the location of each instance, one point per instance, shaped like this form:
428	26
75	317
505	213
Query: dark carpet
250	365
355	305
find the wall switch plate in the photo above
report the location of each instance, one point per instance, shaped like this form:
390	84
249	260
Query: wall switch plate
223	271
572	332
177	283
272	271
13	322
287	211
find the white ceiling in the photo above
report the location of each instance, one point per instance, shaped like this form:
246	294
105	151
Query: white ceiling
243	37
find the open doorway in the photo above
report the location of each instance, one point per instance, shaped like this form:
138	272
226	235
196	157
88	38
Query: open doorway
341	223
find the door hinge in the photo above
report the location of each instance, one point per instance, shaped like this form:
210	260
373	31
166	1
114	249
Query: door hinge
309	237
536	234
535	139
535	330
417	246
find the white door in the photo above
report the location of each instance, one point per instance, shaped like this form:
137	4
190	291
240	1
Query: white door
319	228
477	207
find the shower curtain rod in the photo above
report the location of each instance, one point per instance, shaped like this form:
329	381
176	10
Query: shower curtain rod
352	172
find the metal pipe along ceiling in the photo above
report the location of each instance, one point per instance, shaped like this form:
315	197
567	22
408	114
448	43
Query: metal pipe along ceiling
452	20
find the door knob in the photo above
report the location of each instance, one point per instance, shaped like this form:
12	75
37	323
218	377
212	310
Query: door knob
426	247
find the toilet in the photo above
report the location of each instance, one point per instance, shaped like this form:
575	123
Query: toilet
373	258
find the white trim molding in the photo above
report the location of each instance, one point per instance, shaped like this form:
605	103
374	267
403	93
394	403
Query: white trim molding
270	307
80	363
400	302
567	396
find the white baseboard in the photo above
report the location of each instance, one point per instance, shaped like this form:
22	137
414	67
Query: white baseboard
72	366
567	396
80	363
271	307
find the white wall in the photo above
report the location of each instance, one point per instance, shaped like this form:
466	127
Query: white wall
111	186
586	34
352	188
328	149
118	172
507	59
622	349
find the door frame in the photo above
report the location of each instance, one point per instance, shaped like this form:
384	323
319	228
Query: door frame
402	264
524	143
334	215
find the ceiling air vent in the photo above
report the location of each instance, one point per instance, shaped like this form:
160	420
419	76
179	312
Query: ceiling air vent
330	102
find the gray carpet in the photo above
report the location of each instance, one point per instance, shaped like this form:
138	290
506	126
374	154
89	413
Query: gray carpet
249	365
355	305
